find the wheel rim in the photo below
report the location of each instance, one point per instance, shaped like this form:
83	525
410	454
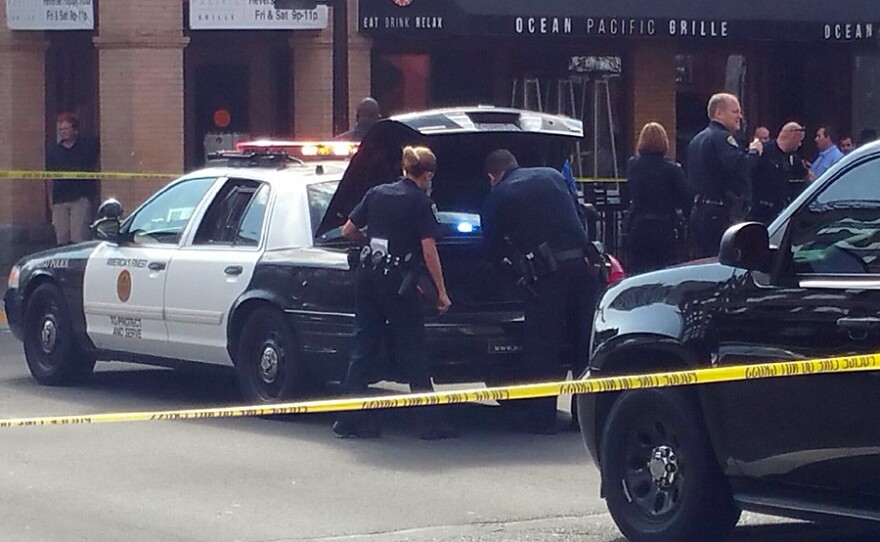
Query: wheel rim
652	470
270	367
48	334
269	364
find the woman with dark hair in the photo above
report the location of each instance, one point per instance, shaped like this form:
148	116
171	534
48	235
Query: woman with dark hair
657	189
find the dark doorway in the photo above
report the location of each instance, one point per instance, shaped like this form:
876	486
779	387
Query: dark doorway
221	101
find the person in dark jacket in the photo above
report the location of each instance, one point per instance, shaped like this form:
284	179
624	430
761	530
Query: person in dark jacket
366	115
402	226
778	165
72	198
530	222
718	169
658	189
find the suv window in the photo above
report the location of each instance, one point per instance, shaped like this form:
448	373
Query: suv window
235	217
163	218
839	230
319	196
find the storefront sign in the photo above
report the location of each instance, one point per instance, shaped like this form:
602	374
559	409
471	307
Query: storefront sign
50	14
850	32
428	18
253	15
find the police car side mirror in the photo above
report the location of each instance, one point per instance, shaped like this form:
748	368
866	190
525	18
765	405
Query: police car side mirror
106	229
746	246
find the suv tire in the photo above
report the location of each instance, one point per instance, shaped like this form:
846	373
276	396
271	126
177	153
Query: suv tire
661	480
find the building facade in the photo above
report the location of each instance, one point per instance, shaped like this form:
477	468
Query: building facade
162	82
159	83
619	65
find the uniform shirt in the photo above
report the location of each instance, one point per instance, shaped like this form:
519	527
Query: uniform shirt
826	159
771	176
400	212
717	165
531	206
82	156
657	186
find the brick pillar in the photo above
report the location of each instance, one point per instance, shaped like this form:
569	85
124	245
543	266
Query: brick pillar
359	62
24	221
653	80
140	56
313	82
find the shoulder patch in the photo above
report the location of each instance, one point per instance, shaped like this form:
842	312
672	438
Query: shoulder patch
732	141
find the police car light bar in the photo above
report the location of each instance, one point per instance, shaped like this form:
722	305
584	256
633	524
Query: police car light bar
301	149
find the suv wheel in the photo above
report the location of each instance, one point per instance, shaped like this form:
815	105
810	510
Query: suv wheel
50	348
268	364
661	480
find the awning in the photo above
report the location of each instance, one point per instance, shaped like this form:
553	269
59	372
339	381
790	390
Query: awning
795	20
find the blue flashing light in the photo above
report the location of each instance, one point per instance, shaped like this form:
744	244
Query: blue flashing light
465	227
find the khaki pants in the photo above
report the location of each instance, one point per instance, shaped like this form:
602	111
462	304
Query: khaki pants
71	221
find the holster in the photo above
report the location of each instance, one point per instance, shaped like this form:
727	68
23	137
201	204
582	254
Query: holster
417	282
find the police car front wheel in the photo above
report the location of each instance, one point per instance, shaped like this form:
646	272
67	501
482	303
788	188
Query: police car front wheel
268	360
53	356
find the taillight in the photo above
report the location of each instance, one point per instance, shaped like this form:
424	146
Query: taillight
616	273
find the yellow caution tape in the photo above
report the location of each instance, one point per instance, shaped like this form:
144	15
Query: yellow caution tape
66	175
869	362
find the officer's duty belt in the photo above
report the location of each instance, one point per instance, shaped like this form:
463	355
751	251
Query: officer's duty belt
566	255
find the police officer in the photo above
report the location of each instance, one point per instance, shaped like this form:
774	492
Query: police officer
779	164
718	169
402	228
530	222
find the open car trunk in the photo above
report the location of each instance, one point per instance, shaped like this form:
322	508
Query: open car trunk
461	138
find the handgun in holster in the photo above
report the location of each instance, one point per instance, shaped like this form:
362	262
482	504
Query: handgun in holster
547	259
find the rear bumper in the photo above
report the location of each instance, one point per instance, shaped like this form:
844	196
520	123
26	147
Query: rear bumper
13	305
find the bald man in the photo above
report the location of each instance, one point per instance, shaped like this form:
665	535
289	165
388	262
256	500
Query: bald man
777	166
366	115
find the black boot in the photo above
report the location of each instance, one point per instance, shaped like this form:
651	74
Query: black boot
433	426
356	425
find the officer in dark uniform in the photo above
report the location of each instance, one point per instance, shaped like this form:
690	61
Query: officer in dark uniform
778	165
530	222
402	228
718	169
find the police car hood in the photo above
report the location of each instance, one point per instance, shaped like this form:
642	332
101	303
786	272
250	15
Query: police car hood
461	138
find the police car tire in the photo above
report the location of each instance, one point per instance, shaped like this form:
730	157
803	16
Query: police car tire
268	361
697	504
51	351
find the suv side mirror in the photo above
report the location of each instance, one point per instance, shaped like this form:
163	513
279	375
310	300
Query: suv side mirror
746	246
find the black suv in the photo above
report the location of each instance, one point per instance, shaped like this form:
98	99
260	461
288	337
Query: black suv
679	464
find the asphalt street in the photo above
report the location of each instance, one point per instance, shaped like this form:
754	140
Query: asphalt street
288	478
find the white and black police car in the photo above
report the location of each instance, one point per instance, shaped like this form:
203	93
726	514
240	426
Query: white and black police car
242	263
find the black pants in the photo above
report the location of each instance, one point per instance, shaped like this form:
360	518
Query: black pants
708	224
566	298
377	302
651	244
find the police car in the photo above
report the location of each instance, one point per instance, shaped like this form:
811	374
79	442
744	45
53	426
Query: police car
242	263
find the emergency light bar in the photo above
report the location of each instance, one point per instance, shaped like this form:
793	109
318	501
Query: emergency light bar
304	150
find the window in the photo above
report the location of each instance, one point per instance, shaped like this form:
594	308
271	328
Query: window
319	195
839	230
251	228
235	217
163	218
